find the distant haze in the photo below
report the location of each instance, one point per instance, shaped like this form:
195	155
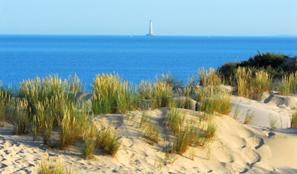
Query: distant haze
131	17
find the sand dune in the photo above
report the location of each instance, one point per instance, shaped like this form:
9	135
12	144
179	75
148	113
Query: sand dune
237	148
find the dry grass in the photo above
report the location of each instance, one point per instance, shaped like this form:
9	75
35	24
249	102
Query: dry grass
145	89
72	128
208	101
48	166
208	77
5	102
252	86
162	94
288	84
45	104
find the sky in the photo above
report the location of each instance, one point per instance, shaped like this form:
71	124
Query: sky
131	17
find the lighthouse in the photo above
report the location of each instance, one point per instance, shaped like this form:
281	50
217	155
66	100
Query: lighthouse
150	29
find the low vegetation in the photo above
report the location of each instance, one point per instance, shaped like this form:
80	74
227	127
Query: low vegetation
108	142
249	117
48	166
252	86
110	94
213	99
44	105
88	149
236	113
174	120
152	133
272	122
294	120
209	77
257	75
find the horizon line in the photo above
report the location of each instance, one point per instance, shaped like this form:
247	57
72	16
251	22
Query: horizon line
280	35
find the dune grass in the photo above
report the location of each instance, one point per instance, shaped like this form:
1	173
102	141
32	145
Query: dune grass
163	94
288	84
108	142
174	120
5	102
294	120
46	104
72	128
20	117
210	132
146	89
111	94
236	113
272	122
48	166
88	149
249	117
182	142
252	86
212	99
209	77
152	133
144	118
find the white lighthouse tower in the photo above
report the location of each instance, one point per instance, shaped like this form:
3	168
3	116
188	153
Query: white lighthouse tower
150	29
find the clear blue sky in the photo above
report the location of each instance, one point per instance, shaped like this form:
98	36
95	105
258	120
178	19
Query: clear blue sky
131	17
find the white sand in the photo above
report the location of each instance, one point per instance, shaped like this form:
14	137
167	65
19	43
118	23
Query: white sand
237	148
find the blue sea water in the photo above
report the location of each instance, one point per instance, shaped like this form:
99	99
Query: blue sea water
134	58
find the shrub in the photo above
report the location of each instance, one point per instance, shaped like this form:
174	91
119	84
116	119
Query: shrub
107	141
271	63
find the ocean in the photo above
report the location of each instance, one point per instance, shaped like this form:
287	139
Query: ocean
133	57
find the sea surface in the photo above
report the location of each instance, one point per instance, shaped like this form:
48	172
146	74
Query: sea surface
133	57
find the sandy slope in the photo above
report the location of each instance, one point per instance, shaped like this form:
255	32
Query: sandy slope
237	149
